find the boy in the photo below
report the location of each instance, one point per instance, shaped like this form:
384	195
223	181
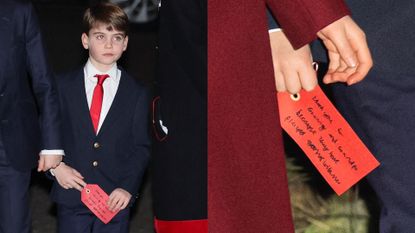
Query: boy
104	117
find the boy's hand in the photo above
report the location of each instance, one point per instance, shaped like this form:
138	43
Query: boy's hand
293	69
47	162
68	177
119	199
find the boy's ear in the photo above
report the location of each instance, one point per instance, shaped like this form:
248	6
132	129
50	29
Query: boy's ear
85	40
125	43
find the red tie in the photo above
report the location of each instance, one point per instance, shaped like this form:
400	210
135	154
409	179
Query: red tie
96	104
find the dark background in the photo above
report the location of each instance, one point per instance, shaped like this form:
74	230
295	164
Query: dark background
60	21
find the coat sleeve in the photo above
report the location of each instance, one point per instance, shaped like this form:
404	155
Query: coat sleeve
43	82
302	19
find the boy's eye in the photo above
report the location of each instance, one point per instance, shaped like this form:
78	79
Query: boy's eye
100	37
118	38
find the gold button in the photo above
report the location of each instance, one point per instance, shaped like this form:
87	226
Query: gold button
96	145
95	163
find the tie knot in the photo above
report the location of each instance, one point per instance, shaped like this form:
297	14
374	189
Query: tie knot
101	78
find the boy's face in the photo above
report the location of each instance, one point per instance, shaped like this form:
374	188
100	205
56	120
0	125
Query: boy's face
105	47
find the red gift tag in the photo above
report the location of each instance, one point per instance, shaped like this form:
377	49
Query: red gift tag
96	200
326	138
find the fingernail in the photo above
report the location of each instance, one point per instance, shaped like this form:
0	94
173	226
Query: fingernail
351	62
351	82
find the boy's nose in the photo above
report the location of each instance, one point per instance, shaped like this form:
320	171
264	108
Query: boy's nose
108	44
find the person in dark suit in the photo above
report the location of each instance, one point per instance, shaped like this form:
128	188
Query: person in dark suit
179	162
29	112
380	109
105	120
247	178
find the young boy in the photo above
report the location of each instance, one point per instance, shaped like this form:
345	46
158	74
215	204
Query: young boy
104	118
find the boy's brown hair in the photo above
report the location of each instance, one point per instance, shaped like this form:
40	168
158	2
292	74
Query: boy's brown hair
108	14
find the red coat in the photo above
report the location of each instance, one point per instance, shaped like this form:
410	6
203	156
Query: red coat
247	184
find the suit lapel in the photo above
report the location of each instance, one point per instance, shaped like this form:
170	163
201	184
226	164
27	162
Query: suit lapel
78	101
119	103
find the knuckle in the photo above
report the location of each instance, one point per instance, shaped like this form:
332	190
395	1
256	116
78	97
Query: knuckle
370	63
294	89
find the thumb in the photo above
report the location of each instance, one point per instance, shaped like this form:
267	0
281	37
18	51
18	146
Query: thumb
41	163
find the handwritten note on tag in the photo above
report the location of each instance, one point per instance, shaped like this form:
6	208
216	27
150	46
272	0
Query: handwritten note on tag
326	138
96	200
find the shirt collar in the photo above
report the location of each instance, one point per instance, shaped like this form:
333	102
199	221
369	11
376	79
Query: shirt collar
91	71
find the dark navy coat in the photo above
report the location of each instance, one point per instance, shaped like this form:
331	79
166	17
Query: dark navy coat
29	115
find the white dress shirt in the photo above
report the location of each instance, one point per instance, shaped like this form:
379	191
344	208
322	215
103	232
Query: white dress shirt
110	86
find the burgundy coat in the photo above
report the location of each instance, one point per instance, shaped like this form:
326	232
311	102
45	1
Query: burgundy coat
247	184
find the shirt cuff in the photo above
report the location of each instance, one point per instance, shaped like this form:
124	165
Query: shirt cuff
275	30
52	152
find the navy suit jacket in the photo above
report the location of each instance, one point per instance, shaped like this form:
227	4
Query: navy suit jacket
29	115
115	158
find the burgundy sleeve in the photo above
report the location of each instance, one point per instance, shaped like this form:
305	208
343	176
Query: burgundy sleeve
302	19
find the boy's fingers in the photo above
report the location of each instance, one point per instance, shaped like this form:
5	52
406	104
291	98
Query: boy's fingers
41	163
79	182
78	187
75	185
119	205
113	201
279	82
308	78
114	204
110	205
124	205
292	81
77	173
82	183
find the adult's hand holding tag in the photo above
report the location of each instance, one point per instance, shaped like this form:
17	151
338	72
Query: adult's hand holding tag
326	138
96	200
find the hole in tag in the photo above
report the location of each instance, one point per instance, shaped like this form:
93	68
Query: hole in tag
88	191
295	97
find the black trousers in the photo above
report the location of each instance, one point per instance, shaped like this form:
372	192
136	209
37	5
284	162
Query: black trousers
14	197
381	110
82	220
